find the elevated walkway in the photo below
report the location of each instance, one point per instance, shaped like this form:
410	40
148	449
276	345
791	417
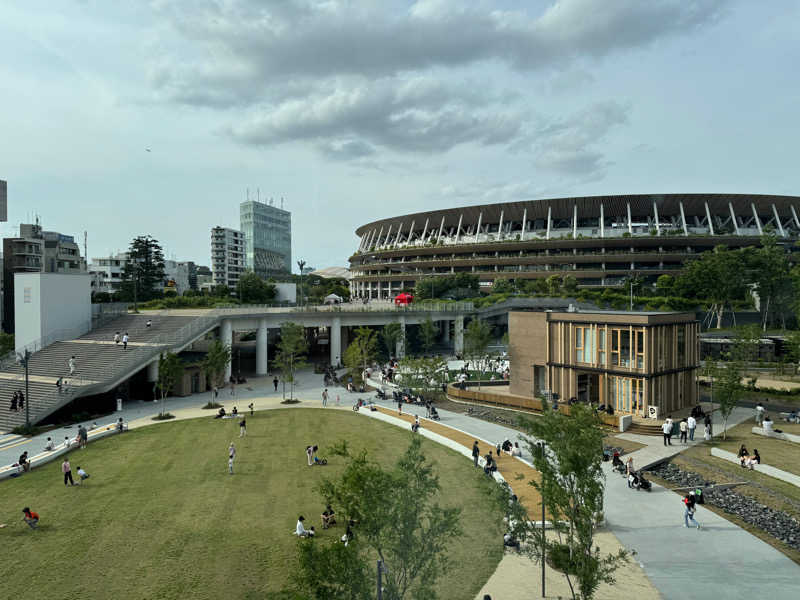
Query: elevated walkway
100	365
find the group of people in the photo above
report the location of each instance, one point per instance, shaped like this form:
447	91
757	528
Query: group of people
17	401
125	337
686	428
328	518
747	460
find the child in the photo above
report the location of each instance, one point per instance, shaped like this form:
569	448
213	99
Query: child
230	465
82	474
49	446
31	518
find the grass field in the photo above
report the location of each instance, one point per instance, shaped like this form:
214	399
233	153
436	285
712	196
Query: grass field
161	517
778	453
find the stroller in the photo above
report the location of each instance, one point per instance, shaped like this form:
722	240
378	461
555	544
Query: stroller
618	465
380	394
434	413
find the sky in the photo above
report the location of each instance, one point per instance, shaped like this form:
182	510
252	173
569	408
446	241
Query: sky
355	111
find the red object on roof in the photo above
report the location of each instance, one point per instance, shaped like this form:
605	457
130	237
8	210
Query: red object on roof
403	298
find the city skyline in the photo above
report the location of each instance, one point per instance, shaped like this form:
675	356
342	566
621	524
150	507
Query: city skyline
155	118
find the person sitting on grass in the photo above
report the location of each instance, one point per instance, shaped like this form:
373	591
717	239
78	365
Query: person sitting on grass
23	462
328	517
31	518
221	413
300	530
750	461
490	466
348	534
516	451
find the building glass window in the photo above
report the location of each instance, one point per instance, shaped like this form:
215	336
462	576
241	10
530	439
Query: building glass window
614	347
625	348
639	349
579	344
601	346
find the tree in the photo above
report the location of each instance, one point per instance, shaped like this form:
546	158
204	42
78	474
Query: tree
665	284
170	370
427	335
769	270
553	284
333	572
399	518
502	285
477	336
423	375
793	344
571	484
216	361
718	276
6	343
361	351
221	291
143	275
726	377
251	289
391	334
570	284
291	353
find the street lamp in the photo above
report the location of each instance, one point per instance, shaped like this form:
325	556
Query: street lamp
540	445
301	264
23	358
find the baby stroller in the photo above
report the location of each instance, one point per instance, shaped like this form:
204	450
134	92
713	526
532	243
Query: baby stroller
618	465
434	413
380	394
643	483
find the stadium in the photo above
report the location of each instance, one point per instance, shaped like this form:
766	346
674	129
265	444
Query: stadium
599	240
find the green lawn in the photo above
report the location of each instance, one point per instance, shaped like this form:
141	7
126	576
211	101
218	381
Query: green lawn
161	518
777	453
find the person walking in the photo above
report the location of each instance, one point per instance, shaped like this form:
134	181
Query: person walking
666	428
399	404
230	465
83	436
684	427
20	401
325	397
31	518
275	383
688	514
71	364
125	339
14	399
231	451
476	452
66	469
310	454
116	338
149	323
251	407
243	428
691	425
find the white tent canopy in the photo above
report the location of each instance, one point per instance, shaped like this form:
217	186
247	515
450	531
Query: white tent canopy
333	299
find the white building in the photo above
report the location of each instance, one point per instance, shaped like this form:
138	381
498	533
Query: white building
106	272
227	256
176	276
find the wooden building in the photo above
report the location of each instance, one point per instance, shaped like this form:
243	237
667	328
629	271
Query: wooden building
630	360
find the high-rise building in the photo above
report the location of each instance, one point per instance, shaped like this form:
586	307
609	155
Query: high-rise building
36	251
3	201
268	238
227	255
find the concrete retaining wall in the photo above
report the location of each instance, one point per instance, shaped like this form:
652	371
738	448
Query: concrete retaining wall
789	437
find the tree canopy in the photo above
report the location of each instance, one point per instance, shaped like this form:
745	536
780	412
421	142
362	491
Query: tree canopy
361	352
291	353
143	275
251	289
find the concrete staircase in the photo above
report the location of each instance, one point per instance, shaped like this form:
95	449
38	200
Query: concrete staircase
99	364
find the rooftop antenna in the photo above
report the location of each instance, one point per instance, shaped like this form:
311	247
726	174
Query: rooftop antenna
259	193
281	202
248	194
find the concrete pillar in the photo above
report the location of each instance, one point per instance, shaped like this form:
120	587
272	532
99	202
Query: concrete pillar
336	341
262	357
446	331
345	339
226	337
459	335
400	347
152	371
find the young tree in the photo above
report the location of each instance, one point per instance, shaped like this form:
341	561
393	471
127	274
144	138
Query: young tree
502	285
361	351
726	377
391	334
423	375
216	361
570	284
553	284
477	336
333	572
665	284
143	275
793	345
251	289
427	335
399	519
170	370
571	484
291	353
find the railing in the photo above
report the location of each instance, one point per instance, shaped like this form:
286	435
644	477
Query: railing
357	307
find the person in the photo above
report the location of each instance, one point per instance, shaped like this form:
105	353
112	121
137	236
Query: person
691	425
617	464
60	384
510	541
83	436
516	451
475	453
20	401
120	425
14	397
251	407
24	462
684	427
125	339
310	454
325	397
66	441
300	530
759	413
415	424
742	451
666	428
66	469
149	323
232	451
230	465
82	474
243	427
337	399
633	480
491	465
31	517
688	515
71	364
766	424
629	465
116	338
348	534
399	404
434	413
707	432
235	412
50	445
233	385
275	383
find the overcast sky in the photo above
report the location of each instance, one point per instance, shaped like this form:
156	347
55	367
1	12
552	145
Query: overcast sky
354	111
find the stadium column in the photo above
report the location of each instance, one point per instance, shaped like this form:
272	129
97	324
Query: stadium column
226	337
262	357
336	341
446	331
459	335
152	371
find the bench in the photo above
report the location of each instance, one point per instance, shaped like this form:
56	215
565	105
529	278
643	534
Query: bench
782	435
761	468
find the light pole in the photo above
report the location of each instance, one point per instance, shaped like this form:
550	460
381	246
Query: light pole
301	264
544	539
23	360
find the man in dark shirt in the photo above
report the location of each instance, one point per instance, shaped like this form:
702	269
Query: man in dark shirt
475	453
23	461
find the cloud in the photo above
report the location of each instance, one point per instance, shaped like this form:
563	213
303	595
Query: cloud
356	80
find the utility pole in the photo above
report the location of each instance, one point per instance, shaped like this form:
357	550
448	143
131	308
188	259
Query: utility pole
301	264
544	538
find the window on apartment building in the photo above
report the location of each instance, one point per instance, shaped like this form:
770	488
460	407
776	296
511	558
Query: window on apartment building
620	347
584	344
601	346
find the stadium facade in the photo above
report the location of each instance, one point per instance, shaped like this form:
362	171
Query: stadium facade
599	240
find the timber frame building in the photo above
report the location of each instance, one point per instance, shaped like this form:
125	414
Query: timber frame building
630	360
